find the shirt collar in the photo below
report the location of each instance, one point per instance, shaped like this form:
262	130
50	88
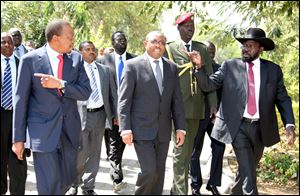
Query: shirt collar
11	58
51	53
152	59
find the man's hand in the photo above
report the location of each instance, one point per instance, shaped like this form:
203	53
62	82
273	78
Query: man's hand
195	58
116	121
213	112
290	134
127	138
18	149
179	138
49	81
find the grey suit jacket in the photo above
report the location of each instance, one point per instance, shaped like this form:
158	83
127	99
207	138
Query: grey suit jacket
109	95
232	76
43	111
142	109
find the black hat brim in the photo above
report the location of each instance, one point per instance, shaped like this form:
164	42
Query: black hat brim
267	43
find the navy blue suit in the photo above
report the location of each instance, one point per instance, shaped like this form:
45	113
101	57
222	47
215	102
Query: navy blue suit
52	120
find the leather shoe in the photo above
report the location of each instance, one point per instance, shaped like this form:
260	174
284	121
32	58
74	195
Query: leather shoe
89	192
212	189
73	190
196	192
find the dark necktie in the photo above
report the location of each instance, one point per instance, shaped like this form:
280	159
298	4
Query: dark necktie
95	92
60	69
158	76
17	52
120	69
6	100
188	47
251	103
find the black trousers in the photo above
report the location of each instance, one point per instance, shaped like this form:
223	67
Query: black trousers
16	169
248	149
218	148
117	147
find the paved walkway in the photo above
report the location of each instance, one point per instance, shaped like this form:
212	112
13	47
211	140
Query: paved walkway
103	184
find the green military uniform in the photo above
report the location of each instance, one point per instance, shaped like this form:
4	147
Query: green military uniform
194	107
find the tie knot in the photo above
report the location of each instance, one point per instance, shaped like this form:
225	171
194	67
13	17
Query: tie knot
60	57
156	62
120	58
17	48
187	47
251	64
7	60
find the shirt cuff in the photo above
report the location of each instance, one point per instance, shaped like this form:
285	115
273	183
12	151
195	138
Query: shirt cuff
125	132
289	125
183	131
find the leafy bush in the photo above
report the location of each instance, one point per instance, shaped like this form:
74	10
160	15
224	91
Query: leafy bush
279	167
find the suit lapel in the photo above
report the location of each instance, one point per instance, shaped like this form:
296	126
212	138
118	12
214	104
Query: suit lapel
182	50
102	78
263	78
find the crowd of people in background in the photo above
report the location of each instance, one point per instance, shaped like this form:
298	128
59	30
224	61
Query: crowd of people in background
58	104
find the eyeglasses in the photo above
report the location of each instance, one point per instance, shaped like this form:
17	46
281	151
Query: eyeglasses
155	42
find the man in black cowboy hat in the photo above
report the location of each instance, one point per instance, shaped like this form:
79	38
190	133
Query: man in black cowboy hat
252	87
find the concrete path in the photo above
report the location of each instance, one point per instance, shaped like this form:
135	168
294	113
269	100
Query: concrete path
131	168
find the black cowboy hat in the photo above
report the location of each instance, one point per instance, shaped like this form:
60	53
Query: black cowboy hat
258	35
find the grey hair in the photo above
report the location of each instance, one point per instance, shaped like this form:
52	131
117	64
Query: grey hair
151	34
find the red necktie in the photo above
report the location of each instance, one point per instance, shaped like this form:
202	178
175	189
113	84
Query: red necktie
60	69
251	103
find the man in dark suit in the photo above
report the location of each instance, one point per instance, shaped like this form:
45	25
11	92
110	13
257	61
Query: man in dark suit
51	80
93	113
115	61
20	49
205	126
252	87
148	102
16	169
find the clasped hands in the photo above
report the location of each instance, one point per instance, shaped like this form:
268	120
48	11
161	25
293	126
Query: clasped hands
49	81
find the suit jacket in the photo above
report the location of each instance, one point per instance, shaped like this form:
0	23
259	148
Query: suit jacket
142	109
194	105
232	76
43	110
109	95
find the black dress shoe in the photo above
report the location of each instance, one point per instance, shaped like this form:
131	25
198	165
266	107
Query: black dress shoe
89	192
196	192
212	189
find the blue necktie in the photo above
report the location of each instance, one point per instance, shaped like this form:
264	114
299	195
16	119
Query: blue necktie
6	100
120	69
95	93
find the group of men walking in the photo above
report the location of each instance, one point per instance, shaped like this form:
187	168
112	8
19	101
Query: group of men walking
65	100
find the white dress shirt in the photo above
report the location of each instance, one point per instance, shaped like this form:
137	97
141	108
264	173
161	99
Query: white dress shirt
117	61
256	72
91	104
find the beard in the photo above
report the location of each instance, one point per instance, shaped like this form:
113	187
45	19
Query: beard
247	57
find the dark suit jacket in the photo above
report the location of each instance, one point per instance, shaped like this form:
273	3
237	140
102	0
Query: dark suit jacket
232	76
142	109
44	111
109	95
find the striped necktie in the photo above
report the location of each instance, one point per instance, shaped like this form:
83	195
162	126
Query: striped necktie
6	100
95	92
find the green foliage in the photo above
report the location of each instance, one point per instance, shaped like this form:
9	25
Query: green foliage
279	167
92	20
